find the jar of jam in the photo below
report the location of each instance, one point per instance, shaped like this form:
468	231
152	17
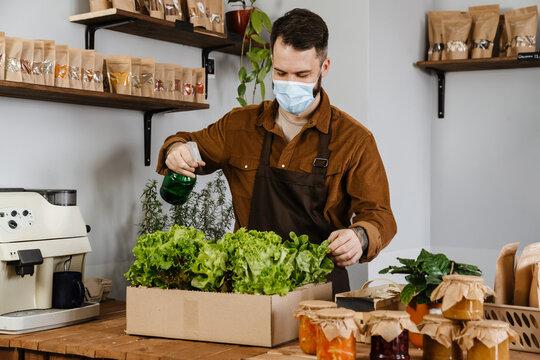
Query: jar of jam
487	340
307	334
463	296
389	332
439	336
336	334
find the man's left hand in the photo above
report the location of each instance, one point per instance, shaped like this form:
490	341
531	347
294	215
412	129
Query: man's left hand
345	248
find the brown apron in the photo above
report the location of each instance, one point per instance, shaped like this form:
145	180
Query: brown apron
285	201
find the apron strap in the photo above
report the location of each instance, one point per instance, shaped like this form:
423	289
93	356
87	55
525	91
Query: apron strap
320	163
266	149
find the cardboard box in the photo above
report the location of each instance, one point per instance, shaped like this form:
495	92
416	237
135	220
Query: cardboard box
383	297
259	320
366	299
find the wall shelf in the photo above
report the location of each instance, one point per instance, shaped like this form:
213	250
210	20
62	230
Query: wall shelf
149	106
441	67
181	32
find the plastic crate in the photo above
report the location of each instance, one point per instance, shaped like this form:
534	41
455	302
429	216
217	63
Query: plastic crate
524	320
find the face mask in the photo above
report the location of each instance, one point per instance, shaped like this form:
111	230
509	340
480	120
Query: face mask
294	97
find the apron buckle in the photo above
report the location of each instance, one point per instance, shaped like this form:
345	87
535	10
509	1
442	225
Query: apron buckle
320	162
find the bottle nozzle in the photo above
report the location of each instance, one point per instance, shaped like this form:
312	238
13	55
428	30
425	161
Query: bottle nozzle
194	150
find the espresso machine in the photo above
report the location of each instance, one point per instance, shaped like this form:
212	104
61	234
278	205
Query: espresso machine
40	232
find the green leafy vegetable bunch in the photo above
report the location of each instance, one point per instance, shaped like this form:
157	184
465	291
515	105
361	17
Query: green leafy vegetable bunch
247	262
425	273
165	259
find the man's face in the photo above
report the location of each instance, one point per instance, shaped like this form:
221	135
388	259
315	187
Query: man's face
297	65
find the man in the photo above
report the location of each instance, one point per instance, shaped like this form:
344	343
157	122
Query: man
297	163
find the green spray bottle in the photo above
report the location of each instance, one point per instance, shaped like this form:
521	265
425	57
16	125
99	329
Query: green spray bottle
176	188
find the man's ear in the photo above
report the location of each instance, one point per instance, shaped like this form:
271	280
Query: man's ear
325	67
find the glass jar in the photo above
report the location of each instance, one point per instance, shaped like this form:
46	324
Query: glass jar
480	351
307	335
397	349
487	340
439	336
343	345
466	310
463	297
434	350
389	332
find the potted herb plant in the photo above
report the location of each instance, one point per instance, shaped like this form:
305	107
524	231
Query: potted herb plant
237	20
254	46
423	275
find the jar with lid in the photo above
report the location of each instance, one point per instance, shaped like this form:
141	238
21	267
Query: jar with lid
176	188
389	332
336	334
307	334
439	336
487	340
463	296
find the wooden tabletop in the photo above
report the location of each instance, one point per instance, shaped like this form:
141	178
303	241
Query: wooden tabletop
105	338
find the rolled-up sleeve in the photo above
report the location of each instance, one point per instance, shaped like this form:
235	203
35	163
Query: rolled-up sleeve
211	142
367	185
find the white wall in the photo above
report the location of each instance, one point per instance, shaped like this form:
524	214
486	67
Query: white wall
97	151
462	185
400	117
485	159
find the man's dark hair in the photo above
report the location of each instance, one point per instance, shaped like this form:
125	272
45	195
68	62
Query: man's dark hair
303	30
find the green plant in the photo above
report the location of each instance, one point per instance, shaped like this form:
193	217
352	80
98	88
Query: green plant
246	262
259	57
153	217
207	210
425	273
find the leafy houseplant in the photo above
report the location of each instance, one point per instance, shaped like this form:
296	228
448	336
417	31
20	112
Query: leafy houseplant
259	54
425	273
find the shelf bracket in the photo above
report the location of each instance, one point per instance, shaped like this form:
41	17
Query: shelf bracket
205	54
148	132
90	33
441	84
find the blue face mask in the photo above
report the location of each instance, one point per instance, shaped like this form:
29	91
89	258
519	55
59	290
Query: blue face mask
294	97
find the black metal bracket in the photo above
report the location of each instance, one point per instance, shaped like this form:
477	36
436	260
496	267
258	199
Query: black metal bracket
441	84
205	54
90	33
148	132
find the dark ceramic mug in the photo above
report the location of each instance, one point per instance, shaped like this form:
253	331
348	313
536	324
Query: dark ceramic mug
68	290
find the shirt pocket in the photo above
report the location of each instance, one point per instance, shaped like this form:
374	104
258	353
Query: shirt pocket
243	170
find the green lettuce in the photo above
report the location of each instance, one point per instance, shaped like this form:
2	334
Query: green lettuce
259	263
311	263
165	259
246	262
209	268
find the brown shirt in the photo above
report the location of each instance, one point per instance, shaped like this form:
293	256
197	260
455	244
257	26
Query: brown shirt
356	181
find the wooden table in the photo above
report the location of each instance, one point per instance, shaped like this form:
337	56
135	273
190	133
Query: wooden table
105	338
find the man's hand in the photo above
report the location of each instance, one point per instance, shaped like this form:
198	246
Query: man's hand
345	248
180	161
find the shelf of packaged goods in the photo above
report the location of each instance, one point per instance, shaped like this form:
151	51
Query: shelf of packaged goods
180	32
440	68
149	106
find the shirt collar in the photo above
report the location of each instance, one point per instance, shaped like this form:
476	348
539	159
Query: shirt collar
319	119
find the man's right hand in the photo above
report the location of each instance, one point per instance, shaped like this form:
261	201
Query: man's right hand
180	161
